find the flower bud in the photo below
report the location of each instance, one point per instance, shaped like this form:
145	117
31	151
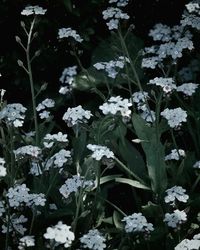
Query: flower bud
20	63
18	40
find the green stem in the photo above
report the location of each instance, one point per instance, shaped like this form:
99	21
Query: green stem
31	80
195	183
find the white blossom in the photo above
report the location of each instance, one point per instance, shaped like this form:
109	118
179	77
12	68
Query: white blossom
61	234
100	151
115	105
28	150
175	155
197	165
188	245
120	3
68	32
3	171
137	223
26	241
112	67
174	117
50	139
175	219
58	159
33	10
93	240
187	88
73	184
176	193
167	84
67	79
13	114
15	223
76	115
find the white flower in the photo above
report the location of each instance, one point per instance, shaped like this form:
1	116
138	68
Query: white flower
175	117
19	196
68	32
197	165
13	114
73	184
167	84
26	241
137	223
76	115
188	245
35	169
100	151
47	103
59	159
161	32
187	88
176	193
148	116
175	155
29	150
93	240
116	104
120	3
15	223
193	7
112	67
67	78
150	62
30	10
49	139
61	234
2	168
44	114
175	219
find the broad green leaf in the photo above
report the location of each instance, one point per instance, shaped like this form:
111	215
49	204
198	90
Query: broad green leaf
133	183
154	151
108	178
133	158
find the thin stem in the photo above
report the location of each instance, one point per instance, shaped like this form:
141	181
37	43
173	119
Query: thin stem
195	183
31	80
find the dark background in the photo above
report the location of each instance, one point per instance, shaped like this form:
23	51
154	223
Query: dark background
84	16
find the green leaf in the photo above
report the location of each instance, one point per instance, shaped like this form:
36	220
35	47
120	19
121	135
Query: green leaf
154	151
79	146
68	5
117	218
133	183
134	160
108	178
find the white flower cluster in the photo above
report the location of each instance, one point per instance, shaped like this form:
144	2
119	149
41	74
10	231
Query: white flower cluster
187	88
33	10
50	139
114	14
2	168
167	84
19	196
58	159
47	103
191	15
175	155
28	150
61	234
173	42
197	165
176	193
26	241
137	223
111	66
68	32
115	105
93	240
186	244
100	151
67	79
73	184
120	3
15	223
174	117
13	114
175	219
140	98
76	115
